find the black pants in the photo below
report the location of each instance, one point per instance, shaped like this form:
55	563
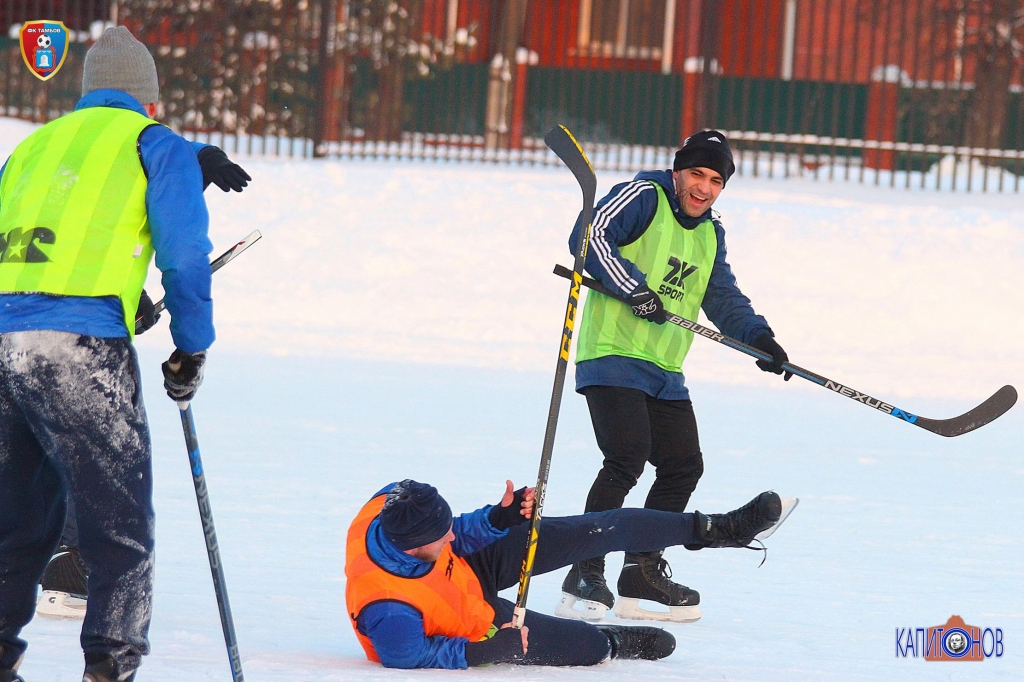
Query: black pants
73	426
632	428
565	541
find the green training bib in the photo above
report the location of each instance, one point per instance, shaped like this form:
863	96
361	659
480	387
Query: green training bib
73	210
677	263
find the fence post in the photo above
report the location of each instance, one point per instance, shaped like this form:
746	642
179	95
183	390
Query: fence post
331	108
698	92
524	57
883	114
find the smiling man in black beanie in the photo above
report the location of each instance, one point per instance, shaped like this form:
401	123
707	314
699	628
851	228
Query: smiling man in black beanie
656	242
422	586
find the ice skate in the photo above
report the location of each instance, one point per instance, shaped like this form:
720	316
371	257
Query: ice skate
639	642
755	520
647	576
64	586
104	669
585	585
10	674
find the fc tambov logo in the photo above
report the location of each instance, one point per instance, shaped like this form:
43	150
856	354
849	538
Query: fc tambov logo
44	46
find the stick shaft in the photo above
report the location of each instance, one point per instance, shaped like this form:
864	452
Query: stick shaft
216	264
212	548
568	149
990	409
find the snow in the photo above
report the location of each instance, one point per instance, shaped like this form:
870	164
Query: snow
398	320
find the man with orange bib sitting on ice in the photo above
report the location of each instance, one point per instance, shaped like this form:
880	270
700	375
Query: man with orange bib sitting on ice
423	585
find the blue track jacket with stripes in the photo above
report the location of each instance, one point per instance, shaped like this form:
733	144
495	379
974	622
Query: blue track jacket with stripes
621	218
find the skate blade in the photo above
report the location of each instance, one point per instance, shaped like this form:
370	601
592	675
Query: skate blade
60	606
628	608
788	505
592	610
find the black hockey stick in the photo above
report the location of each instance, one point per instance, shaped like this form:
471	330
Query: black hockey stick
220	586
993	408
216	265
188	425
561	141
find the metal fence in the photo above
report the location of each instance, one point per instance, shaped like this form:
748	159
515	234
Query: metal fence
910	93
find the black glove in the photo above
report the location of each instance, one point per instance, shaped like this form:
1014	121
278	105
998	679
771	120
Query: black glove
767	343
146	316
183	374
220	170
647	304
506	646
503	518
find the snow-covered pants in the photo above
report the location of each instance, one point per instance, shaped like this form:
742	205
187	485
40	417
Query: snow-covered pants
565	541
72	423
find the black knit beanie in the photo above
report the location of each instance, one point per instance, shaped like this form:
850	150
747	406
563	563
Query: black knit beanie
414	514
706	149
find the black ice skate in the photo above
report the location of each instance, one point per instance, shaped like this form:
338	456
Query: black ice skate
64	586
647	576
755	520
100	668
638	641
10	674
586	585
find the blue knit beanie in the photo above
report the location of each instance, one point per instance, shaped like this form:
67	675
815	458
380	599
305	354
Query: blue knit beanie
414	515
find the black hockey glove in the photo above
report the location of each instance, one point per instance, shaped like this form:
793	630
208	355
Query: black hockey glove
220	170
768	344
147	316
506	646
647	304
503	518
183	374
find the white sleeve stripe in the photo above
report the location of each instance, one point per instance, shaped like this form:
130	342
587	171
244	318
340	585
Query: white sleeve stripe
615	269
612	266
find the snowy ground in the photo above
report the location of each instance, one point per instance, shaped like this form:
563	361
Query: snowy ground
398	320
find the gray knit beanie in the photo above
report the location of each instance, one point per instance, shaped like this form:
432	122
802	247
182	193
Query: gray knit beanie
121	62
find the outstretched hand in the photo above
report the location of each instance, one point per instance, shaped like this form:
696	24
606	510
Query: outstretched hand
515	507
525	500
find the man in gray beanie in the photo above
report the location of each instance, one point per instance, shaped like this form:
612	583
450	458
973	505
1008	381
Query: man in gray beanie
85	201
657	244
121	62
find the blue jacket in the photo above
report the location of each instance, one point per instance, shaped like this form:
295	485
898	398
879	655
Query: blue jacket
396	629
622	217
179	222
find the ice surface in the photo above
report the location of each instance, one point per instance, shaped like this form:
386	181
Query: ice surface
399	321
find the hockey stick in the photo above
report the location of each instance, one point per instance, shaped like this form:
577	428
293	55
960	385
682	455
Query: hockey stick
188	425
990	410
561	141
216	265
220	587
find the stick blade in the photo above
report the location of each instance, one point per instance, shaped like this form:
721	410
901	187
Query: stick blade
990	410
565	146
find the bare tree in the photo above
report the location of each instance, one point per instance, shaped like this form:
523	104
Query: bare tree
988	39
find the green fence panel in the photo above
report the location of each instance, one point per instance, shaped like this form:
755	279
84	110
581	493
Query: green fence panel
792	107
618	107
452	101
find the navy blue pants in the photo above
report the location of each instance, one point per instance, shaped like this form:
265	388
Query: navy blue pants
564	541
72	424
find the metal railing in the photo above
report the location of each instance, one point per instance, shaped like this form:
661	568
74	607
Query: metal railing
908	93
